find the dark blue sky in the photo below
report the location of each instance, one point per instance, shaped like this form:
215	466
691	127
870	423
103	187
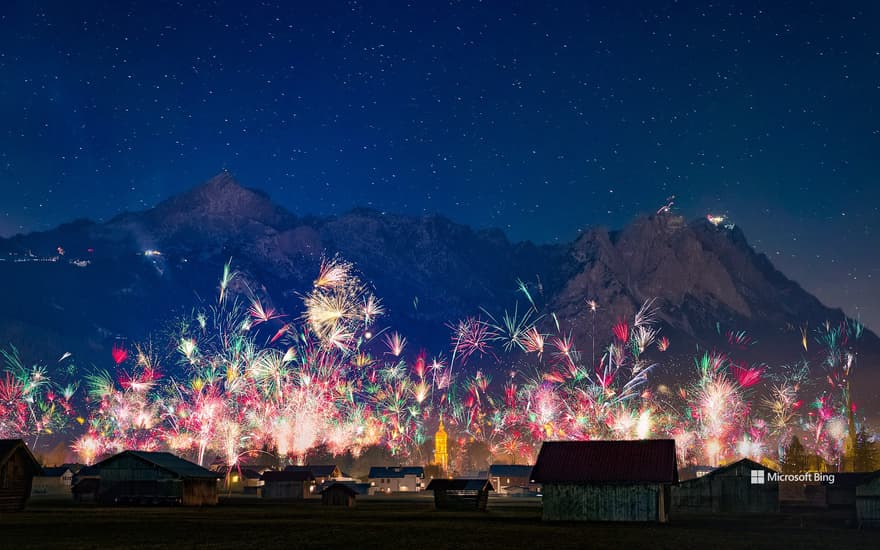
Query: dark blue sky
539	118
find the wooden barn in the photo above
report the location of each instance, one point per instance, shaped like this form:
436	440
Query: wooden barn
868	501
460	494
743	487
339	494
140	477
288	485
606	480
17	470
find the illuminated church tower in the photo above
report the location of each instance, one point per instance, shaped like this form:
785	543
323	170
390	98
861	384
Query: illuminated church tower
441	457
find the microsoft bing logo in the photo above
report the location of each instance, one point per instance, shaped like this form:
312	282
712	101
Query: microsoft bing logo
757	477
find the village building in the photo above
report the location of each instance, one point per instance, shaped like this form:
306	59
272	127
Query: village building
396	479
460	494
53	481
288	485
512	479
241	480
606	480
17	470
321	472
140	477
693	471
743	487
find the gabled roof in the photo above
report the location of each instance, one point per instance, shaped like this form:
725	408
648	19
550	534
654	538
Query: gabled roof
88	471
396	471
358	488
168	462
510	470
348	488
9	447
318	470
749	464
57	471
640	461
287	475
459	485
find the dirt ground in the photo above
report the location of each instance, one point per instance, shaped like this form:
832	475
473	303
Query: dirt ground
383	522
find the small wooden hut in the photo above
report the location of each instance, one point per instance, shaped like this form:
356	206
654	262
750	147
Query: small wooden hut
868	501
339	494
743	487
460	494
17	470
288	485
606	480
140	477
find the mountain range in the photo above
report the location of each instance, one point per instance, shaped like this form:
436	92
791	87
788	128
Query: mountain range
83	285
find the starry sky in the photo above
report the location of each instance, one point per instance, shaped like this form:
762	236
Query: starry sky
540	118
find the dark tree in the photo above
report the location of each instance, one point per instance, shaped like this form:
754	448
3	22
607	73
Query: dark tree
795	459
865	455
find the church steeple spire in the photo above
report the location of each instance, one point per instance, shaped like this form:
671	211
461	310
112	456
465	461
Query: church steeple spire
441	457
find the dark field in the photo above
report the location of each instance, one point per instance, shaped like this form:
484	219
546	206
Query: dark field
380	522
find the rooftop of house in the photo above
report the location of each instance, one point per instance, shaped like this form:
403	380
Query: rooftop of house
167	461
287	475
8	447
318	470
639	461
459	485
510	470
377	472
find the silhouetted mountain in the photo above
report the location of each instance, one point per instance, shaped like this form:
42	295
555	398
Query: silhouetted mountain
428	270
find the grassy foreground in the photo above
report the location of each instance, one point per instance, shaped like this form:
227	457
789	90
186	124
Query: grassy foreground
396	523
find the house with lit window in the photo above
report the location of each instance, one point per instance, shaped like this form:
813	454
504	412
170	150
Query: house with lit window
321	472
53	481
396	479
512	479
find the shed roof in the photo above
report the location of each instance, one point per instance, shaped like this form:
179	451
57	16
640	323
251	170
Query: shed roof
348	488
396	471
9	447
459	485
750	464
56	471
638	461
318	470
287	475
168	462
510	470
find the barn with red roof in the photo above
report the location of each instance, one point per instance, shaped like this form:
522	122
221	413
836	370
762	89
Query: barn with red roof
606	480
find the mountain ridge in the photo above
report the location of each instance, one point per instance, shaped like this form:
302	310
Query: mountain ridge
428	269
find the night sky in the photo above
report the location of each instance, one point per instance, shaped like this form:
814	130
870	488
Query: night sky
542	119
